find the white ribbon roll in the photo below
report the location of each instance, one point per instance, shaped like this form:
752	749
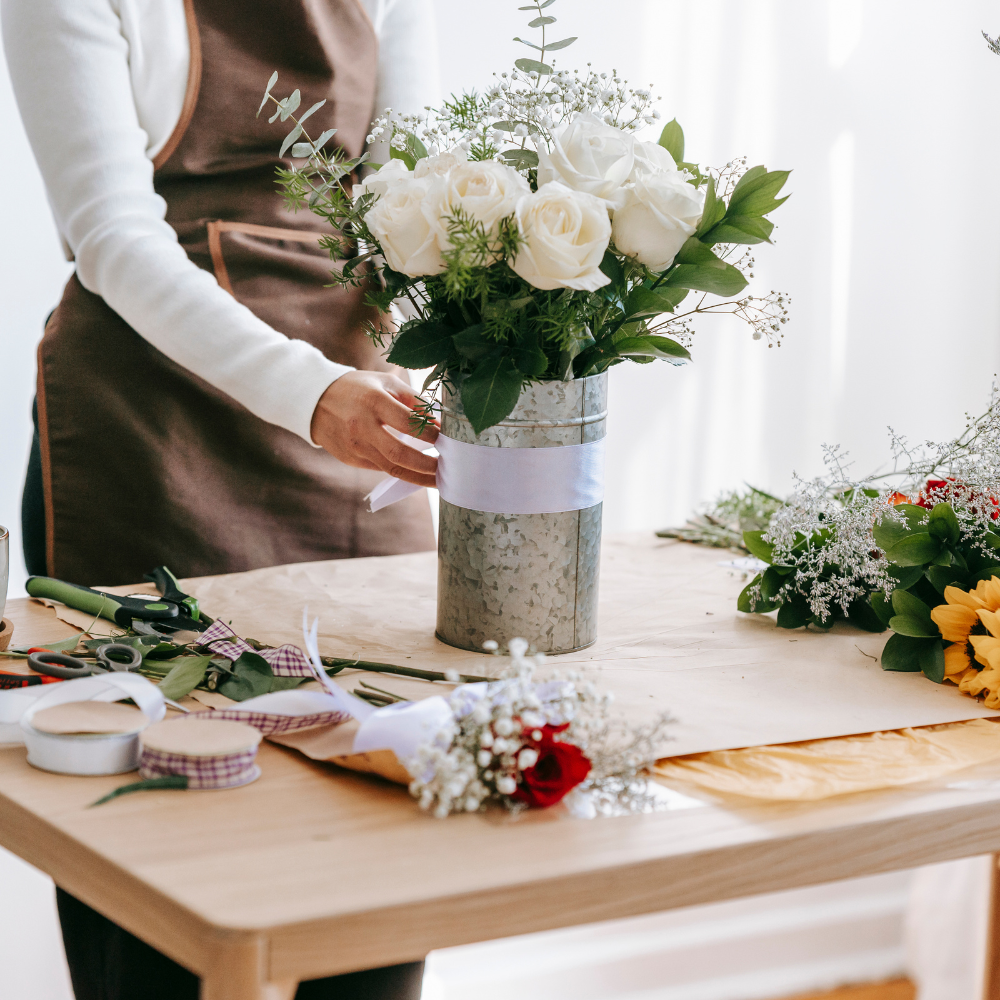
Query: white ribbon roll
90	753
510	480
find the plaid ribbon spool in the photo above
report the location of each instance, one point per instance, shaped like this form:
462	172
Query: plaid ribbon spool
285	661
218	771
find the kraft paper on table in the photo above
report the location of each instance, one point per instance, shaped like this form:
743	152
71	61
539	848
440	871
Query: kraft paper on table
669	639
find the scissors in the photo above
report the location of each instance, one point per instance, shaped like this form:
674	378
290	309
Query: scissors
174	611
64	666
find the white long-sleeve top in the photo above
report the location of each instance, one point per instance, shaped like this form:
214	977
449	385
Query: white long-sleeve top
100	85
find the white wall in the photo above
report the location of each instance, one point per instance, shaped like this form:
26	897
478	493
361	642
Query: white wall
888	247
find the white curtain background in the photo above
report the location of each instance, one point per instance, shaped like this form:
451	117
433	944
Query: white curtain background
885	111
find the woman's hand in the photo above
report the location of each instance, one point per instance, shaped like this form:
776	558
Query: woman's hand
350	422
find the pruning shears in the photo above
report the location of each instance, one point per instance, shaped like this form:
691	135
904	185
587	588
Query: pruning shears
174	611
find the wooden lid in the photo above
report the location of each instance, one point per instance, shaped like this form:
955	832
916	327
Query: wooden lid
94	717
200	737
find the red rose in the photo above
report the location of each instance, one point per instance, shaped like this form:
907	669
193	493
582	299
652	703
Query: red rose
560	767
936	485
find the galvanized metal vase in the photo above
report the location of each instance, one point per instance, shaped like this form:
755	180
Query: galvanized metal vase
532	576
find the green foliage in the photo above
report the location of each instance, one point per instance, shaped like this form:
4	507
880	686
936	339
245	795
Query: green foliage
728	519
187	673
928	552
479	324
252	676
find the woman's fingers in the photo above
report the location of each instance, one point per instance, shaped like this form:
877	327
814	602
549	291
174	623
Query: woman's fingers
403	418
401	457
350	422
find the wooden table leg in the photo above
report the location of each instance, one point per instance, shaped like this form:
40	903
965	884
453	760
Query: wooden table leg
238	974
991	979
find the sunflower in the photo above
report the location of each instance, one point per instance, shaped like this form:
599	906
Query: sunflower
970	623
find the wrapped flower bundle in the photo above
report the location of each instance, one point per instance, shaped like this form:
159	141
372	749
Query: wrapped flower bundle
531	234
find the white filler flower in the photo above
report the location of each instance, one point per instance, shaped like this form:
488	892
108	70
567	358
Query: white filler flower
657	215
565	235
405	230
589	156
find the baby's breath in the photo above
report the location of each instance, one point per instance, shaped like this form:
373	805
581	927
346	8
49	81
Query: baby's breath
481	753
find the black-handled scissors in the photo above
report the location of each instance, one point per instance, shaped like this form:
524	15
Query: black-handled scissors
64	666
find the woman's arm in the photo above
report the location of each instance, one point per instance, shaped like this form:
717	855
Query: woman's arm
69	64
408	79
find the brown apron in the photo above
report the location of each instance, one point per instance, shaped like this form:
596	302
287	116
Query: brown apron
143	462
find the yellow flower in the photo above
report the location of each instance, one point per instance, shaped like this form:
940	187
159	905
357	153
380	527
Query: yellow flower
970	623
958	619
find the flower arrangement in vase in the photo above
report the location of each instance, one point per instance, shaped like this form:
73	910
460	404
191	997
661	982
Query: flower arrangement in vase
533	242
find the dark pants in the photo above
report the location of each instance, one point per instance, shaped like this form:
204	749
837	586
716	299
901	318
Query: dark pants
108	963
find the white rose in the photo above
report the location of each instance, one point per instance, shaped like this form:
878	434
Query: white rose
651	158
486	190
381	180
565	235
589	156
441	164
659	212
404	229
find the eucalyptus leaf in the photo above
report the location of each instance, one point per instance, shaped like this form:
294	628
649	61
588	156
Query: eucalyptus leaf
289	139
521	159
315	107
290	105
267	91
302	149
565	43
325	137
533	66
540	22
529	44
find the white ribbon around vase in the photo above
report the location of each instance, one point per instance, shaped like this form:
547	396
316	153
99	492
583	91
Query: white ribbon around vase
508	480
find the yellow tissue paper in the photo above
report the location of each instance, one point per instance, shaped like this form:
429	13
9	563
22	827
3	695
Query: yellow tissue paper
818	769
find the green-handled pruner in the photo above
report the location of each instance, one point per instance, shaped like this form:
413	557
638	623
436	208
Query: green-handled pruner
170	590
142	614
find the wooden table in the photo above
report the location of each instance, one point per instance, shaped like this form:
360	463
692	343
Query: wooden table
313	871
